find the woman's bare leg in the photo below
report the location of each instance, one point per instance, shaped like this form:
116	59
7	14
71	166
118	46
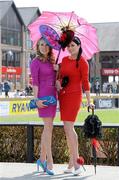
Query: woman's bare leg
43	148
72	141
46	141
70	164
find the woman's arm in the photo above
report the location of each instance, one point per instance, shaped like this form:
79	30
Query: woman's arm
89	103
35	68
35	91
88	97
86	83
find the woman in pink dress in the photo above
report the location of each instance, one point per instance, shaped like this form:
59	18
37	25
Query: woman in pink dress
44	76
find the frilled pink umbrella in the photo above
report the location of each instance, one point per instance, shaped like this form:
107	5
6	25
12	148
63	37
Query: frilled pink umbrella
51	25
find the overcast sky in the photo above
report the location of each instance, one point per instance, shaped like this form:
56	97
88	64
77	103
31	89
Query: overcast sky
92	10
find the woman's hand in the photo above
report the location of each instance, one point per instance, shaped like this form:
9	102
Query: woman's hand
90	106
40	104
56	67
58	85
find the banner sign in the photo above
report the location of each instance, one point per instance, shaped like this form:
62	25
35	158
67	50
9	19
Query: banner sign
11	70
104	103
15	108
4	108
22	107
110	71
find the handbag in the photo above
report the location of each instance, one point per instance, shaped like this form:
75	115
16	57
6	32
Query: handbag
50	100
65	81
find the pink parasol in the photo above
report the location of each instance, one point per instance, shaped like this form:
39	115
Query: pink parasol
57	22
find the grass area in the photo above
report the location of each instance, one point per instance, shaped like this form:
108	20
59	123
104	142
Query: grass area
105	115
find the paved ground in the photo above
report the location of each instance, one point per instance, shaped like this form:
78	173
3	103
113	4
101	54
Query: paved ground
23	171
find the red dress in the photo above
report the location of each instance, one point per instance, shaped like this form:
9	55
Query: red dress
70	97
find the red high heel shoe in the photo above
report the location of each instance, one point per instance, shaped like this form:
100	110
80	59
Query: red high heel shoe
78	171
80	161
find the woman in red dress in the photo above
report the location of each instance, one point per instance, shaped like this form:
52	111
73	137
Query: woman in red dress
74	76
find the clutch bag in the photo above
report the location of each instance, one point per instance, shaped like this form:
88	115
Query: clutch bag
65	81
50	100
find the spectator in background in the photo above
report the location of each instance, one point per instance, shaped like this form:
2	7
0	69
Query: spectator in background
1	88
114	87
26	91
104	86
118	87
97	88
30	90
6	89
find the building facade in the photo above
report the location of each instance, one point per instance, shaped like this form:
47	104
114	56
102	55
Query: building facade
15	44
104	66
16	47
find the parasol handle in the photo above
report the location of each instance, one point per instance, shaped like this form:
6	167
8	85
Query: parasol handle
58	55
95	157
83	168
91	109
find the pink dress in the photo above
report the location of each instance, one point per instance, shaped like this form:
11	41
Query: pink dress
44	77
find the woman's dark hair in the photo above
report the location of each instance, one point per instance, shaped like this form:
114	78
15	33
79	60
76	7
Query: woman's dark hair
77	41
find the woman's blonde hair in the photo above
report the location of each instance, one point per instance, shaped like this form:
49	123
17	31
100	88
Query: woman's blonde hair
41	56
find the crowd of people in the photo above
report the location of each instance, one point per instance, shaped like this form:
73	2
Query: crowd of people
106	87
5	89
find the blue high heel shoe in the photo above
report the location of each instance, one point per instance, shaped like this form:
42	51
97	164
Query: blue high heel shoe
49	172
43	165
